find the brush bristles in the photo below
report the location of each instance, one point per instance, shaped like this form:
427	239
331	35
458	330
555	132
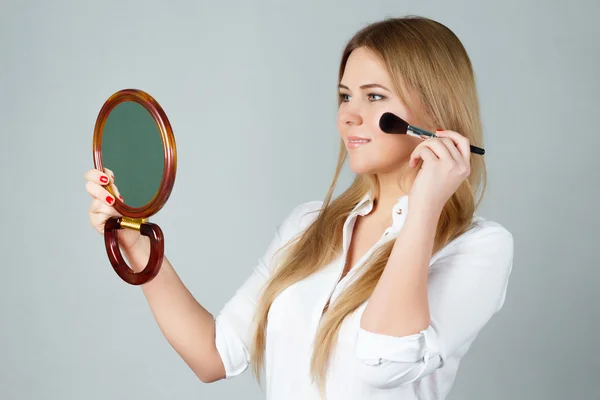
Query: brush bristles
391	123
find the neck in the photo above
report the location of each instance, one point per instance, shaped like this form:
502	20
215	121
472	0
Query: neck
390	191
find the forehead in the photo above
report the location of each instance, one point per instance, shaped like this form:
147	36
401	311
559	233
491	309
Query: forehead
364	66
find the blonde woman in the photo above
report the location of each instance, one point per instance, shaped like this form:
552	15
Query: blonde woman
380	292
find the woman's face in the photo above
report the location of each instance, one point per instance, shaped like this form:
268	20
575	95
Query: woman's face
366	92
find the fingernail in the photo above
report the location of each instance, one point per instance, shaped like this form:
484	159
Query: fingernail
109	199
103	179
121	197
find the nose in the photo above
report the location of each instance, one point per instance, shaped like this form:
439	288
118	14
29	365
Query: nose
350	117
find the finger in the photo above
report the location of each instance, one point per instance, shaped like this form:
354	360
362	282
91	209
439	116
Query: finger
462	143
415	156
422	152
110	173
439	148
428	155
113	187
100	193
115	190
100	208
100	213
452	149
97	176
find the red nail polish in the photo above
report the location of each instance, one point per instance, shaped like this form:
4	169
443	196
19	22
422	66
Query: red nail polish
109	200
103	179
121	197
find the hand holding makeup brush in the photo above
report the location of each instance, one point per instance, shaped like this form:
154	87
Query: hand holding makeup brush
446	164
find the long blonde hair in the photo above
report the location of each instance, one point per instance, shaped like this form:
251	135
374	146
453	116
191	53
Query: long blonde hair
425	58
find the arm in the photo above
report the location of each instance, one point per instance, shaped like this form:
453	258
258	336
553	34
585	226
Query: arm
188	327
399	304
421	314
214	348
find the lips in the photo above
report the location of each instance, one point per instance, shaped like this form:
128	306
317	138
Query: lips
357	141
357	138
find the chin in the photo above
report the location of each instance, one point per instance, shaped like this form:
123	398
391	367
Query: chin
361	167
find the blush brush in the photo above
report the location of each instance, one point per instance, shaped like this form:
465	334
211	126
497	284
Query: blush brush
391	123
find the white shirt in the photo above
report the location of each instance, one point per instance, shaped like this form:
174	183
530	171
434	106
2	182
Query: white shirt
467	285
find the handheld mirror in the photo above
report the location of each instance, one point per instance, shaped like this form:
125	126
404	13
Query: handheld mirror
133	139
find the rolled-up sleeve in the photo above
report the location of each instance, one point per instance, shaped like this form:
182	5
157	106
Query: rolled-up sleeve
234	323
466	286
397	360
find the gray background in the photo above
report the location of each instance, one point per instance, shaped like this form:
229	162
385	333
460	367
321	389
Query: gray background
249	87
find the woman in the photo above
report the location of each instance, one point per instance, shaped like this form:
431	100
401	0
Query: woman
380	292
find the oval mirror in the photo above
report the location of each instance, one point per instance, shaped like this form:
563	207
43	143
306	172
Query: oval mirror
133	139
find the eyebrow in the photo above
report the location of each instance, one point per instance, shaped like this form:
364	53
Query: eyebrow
367	86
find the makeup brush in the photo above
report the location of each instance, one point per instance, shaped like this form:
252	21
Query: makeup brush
391	123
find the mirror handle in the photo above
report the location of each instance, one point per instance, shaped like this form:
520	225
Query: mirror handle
157	247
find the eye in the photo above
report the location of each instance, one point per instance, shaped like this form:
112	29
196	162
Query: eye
344	97
371	95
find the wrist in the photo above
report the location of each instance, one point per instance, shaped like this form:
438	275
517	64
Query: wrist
137	255
424	214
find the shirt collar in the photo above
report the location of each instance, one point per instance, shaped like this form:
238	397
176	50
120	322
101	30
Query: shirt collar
399	211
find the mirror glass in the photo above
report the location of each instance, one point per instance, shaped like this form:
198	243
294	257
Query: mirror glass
132	149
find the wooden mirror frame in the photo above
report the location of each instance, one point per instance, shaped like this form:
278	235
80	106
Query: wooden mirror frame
137	217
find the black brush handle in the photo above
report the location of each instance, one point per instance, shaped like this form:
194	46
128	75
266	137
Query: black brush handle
477	150
419	131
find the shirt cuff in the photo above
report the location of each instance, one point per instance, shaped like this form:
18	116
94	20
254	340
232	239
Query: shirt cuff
374	348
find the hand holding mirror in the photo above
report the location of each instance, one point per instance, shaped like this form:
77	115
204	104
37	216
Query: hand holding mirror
134	139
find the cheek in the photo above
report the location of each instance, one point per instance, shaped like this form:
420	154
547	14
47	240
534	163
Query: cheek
341	126
372	120
395	148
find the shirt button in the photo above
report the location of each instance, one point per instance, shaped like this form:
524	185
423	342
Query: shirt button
399	211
